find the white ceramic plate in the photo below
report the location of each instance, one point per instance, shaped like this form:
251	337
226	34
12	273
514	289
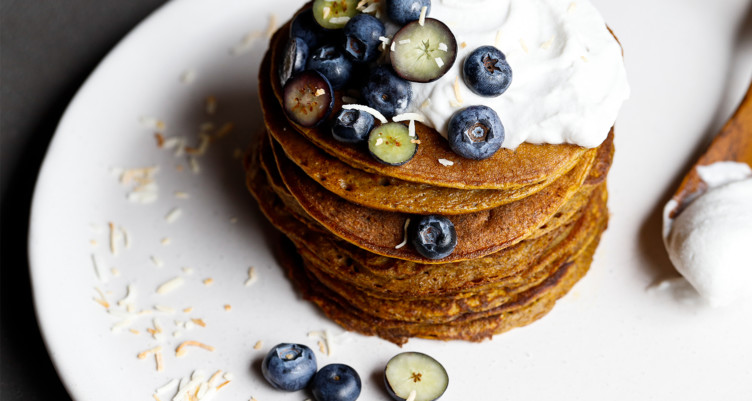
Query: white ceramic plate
611	338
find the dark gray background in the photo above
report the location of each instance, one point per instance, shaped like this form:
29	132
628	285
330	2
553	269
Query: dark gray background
47	49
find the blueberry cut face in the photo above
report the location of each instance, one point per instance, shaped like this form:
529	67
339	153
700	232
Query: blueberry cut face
336	382
295	58
352	126
387	92
404	11
308	98
289	367
476	132
433	236
334	14
329	61
423	53
362	35
409	372
486	72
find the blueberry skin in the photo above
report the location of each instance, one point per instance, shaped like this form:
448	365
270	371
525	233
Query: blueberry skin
289	367
362	35
486	71
336	382
352	126
404	11
476	132
304	26
331	63
433	236
295	59
387	92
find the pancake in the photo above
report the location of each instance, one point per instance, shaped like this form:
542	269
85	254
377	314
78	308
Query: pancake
507	169
386	193
479	233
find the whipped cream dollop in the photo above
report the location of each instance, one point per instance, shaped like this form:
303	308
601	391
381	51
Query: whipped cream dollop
710	240
569	80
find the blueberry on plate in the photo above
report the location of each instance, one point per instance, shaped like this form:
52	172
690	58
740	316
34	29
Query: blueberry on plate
475	132
392	144
423	53
386	92
433	236
404	11
334	14
289	367
336	382
352	126
487	72
304	26
294	59
329	61
410	372
362	35
308	98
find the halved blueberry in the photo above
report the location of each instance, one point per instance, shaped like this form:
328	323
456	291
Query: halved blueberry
330	61
352	126
410	372
304	26
404	11
386	92
294	59
289	367
433	236
308	98
423	53
334	14
476	132
362	35
487	72
392	144
336	382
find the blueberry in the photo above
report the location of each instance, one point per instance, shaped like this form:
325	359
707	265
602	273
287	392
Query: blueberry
362	35
387	92
414	372
308	98
304	26
336	382
476	132
404	11
487	72
334	14
295	58
329	61
289	367
433	236
423	53
352	126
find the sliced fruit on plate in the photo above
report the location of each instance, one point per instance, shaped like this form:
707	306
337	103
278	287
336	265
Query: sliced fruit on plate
416	375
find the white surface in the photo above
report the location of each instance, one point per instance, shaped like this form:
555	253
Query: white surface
611	338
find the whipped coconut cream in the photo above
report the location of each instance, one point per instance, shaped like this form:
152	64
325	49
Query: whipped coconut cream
569	80
709	241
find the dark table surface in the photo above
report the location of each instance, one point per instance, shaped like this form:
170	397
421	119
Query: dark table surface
47	50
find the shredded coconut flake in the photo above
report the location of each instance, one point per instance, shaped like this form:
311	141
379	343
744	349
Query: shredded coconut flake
157	261
439	61
339	20
404	241
411	130
379	142
368	110
320	92
405	41
443	47
165	241
422	19
259	344
409	117
446	162
252	277
181	349
523	45
99	269
195	168
170	285
412	396
457	92
547	44
497	43
173	215
392	48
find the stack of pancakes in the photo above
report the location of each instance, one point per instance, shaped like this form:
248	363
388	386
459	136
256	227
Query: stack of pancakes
527	220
